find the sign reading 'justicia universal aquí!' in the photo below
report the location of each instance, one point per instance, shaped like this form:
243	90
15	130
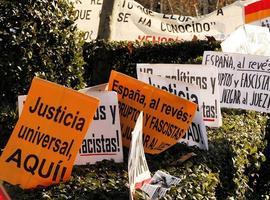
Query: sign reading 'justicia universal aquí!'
50	131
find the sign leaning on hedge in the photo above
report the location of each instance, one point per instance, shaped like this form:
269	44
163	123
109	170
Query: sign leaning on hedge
103	139
50	131
196	134
87	17
244	80
138	171
166	117
203	76
131	21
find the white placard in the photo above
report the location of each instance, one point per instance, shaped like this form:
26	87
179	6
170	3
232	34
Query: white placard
203	76
196	135
100	87
103	140
138	171
244	80
87	13
132	22
21	101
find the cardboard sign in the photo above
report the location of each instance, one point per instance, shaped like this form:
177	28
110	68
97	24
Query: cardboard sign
21	102
258	13
138	172
196	134
96	88
49	132
87	17
133	22
103	139
100	87
244	80
166	117
203	76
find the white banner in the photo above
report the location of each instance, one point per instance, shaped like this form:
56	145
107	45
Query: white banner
87	13
103	139
138	172
196	135
244	80
131	21
203	76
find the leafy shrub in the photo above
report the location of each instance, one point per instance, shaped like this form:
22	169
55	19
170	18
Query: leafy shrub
229	170
37	38
101	57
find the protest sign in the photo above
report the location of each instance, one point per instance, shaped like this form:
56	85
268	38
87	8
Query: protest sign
138	172
50	131
258	13
166	117
21	102
131	21
244	80
248	39
103	139
159	184
3	194
87	17
196	134
100	87
203	76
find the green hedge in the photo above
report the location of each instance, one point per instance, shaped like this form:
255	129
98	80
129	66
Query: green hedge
37	38
229	170
101	57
